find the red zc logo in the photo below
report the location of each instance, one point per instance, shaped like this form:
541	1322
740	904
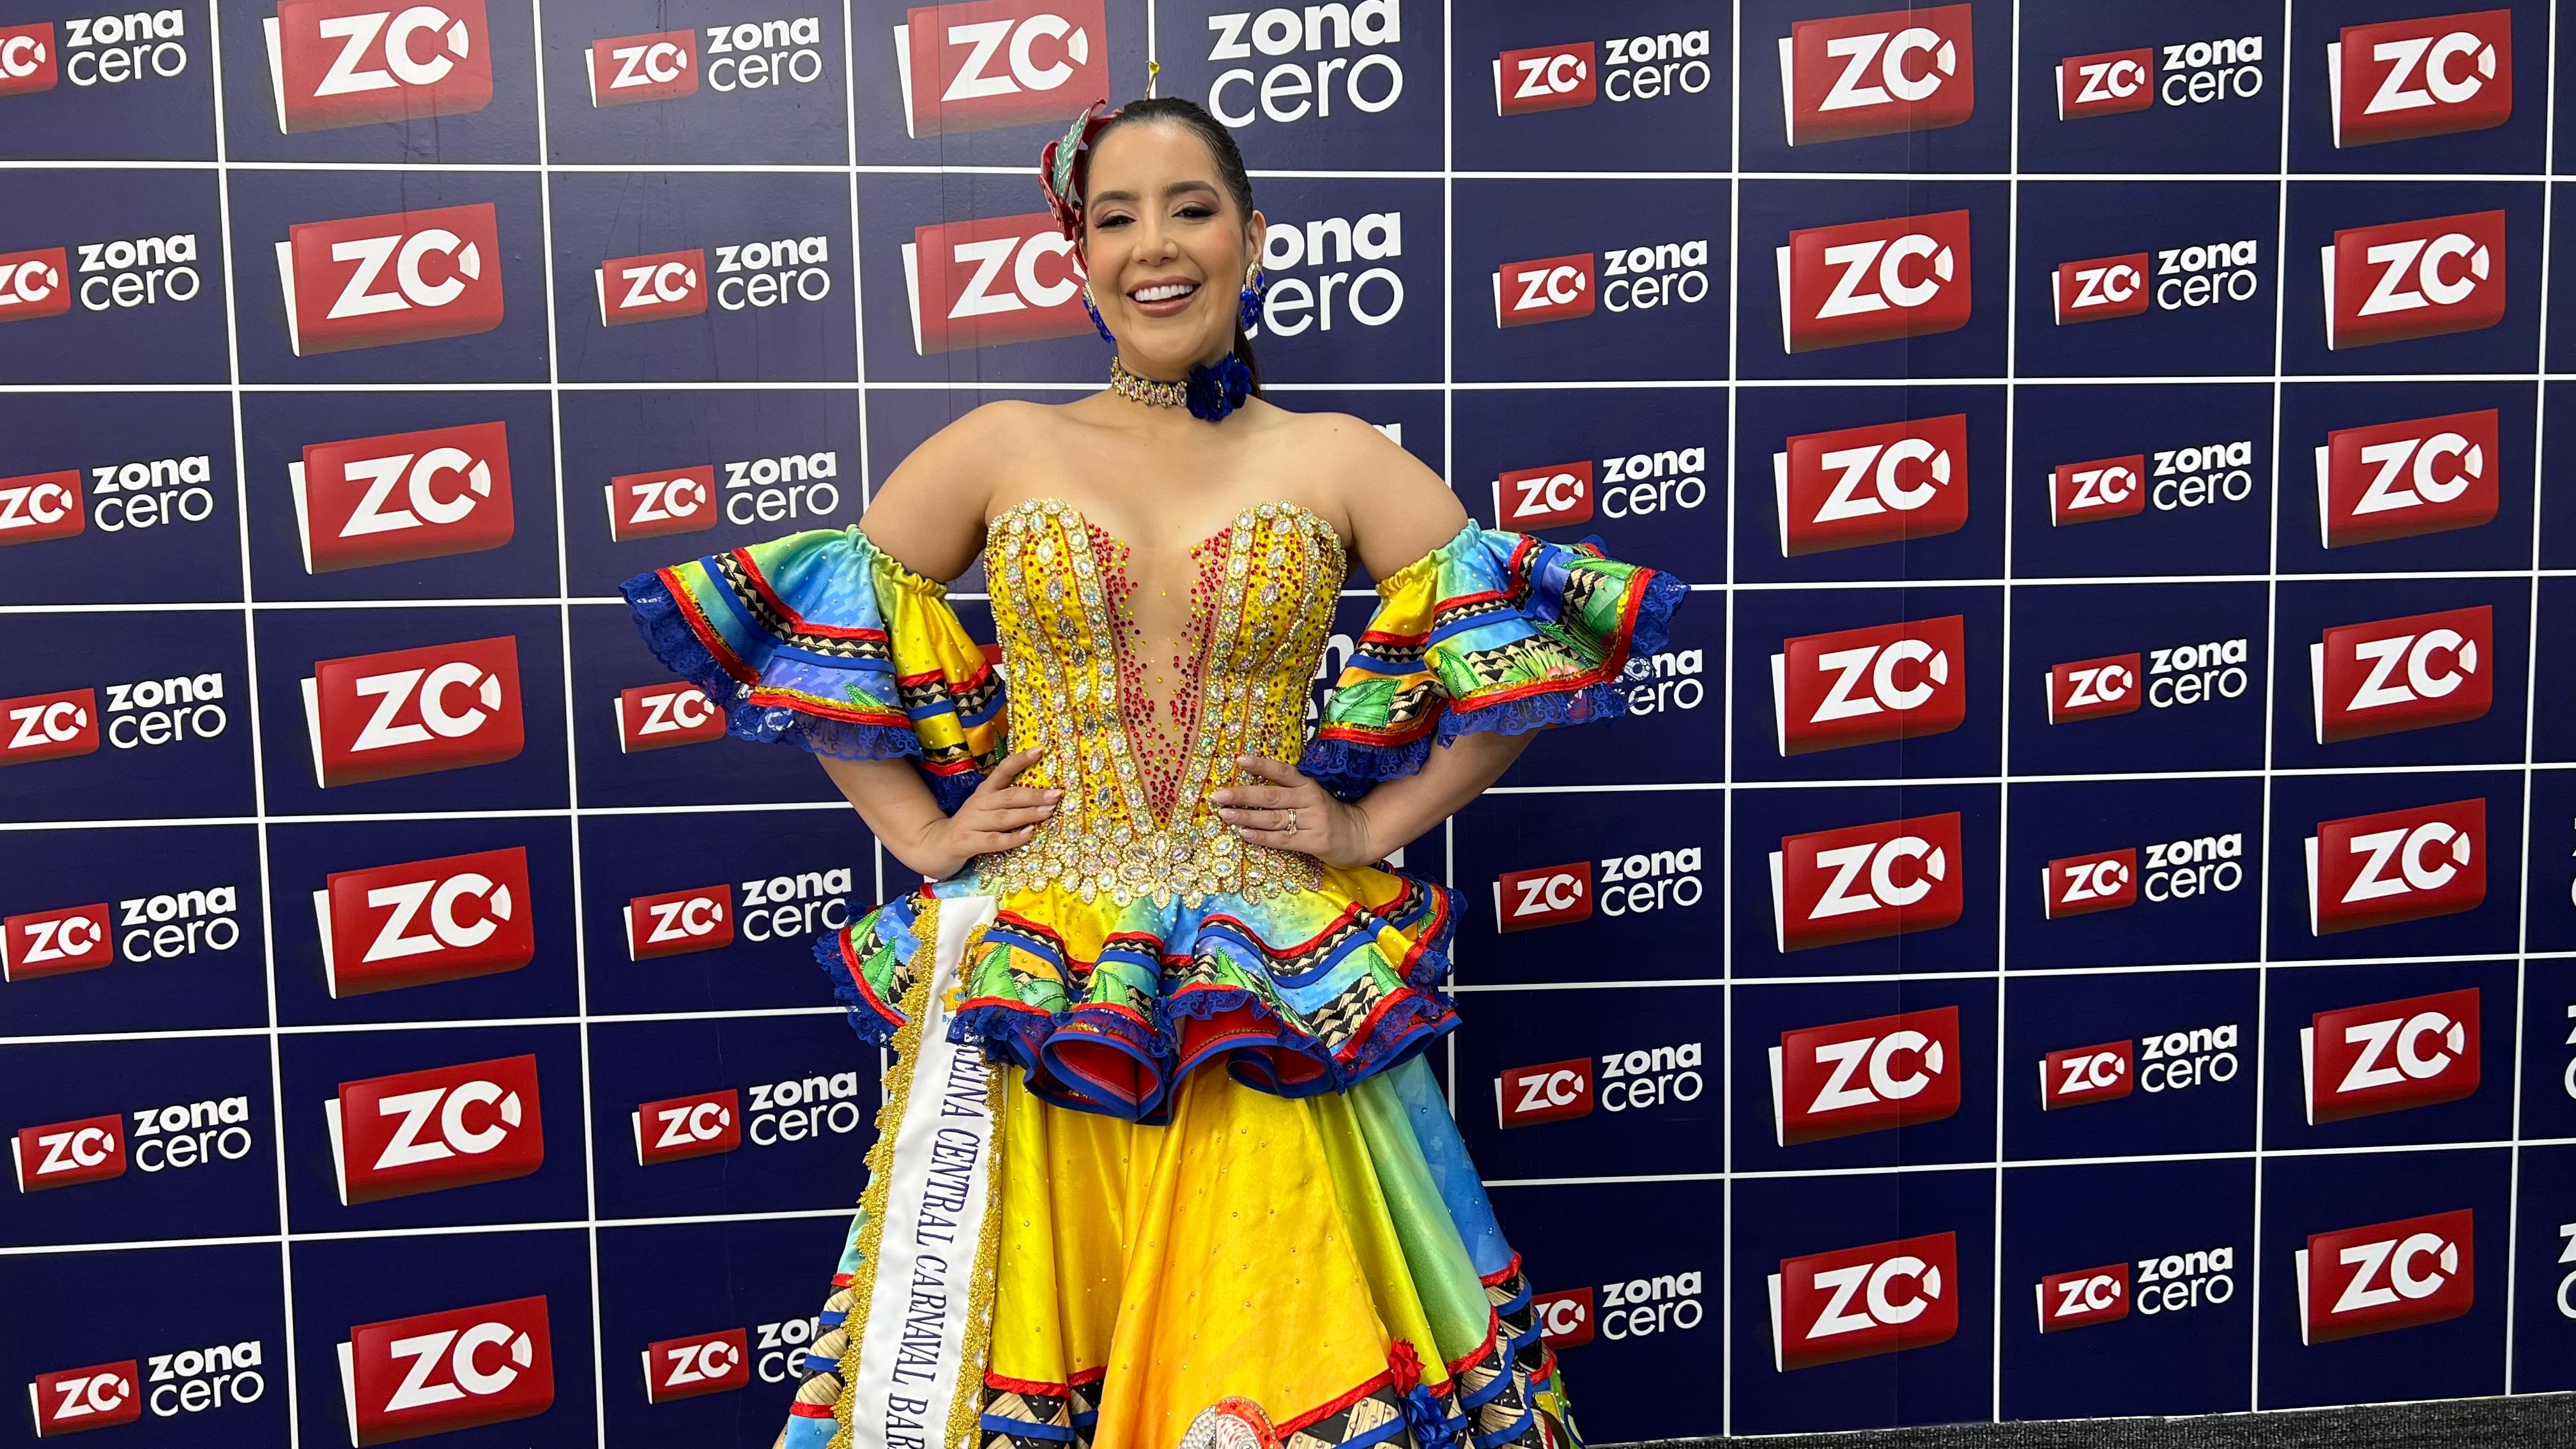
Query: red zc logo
679	922
97	1397
48	726
1548	289
1545	78
2082	689
2409	279
1871	75
2403	674
438	1372
373	281
2106	84
27	58
1873	281
704	1363
2401	865
2386	1276
2084	1297
651	505
988	63
1546	895
2080	1076
1868	686
655	67
446	1127
2102	489
64	1154
1564	1319
682	1127
402	497
1548	1092
2104	287
39	506
1866	881
993	280
2402	79
652	287
659	716
1855	1302
1879	484
2080	885
416	924
2360	1061
1525	499
413	711
1865	1076
35	284
2397	480
55	943
355	62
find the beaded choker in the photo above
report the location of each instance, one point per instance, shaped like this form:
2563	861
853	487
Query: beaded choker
1211	391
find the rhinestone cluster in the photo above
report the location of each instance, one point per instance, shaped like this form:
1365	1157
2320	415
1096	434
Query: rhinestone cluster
1263	622
1151	391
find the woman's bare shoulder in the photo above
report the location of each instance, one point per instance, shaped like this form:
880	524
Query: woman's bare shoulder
1396	507
929	512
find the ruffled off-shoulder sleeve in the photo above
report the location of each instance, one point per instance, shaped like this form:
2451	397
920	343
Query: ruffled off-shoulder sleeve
823	639
1493	630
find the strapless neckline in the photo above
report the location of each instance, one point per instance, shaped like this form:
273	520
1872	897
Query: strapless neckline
1285	505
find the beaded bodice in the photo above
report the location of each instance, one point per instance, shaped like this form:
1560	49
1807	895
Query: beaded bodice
1141	704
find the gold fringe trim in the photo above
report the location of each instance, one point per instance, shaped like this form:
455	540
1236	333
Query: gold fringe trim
872	1199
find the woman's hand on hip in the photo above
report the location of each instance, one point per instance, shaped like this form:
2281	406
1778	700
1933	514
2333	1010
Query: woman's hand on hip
1292	812
998	816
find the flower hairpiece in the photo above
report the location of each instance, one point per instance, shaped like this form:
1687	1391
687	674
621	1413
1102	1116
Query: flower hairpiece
1061	166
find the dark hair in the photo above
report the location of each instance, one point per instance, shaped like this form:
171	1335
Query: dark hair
1229	173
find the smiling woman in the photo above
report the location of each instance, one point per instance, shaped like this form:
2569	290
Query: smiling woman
1159	1142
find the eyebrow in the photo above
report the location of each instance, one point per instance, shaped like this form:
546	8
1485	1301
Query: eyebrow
1175	189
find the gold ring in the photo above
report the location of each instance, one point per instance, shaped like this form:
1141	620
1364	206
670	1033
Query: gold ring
1292	822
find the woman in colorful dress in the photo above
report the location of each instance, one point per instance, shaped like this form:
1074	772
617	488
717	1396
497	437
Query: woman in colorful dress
1159	1135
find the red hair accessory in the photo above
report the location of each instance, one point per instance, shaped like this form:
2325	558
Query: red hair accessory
1064	164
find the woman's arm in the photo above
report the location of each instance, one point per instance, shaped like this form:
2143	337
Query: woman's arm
929	516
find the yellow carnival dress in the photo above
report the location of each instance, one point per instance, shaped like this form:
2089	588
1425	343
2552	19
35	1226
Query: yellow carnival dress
1162	1135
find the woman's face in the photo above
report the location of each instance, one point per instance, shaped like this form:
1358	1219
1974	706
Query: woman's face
1166	249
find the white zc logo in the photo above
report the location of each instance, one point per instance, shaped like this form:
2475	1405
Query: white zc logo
681	920
2372	1069
2441	84
2400	1257
2095	1073
2106	286
1554	287
20	55
1878	664
1556	1089
457	1350
397	940
62	939
1870	1282
2105	487
360	299
2101	684
647	65
1879	1054
29	282
668	282
700	1363
69	1151
47	724
1885	260
680	710
2088	1295
357	34
415	1108
2418	870
2421	486
1553	892
1892	494
694	1123
664	500
1543	76
34	505
2416	652
100	1393
1021	255
393	691
414	474
1879	860
2111	80
986	36
2423	261
1852	89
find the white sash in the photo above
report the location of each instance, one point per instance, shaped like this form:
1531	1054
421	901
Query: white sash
921	1350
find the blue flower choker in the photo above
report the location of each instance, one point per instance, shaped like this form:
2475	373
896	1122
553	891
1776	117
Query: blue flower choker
1211	391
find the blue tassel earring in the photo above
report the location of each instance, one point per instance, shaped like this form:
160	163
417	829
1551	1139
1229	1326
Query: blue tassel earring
1096	324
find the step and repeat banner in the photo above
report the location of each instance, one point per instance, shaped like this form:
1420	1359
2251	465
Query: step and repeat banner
2078	921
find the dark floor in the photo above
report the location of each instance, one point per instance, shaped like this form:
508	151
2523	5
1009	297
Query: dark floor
2546	1421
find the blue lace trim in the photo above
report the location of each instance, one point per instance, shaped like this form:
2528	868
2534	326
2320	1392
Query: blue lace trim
1347	768
667	633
